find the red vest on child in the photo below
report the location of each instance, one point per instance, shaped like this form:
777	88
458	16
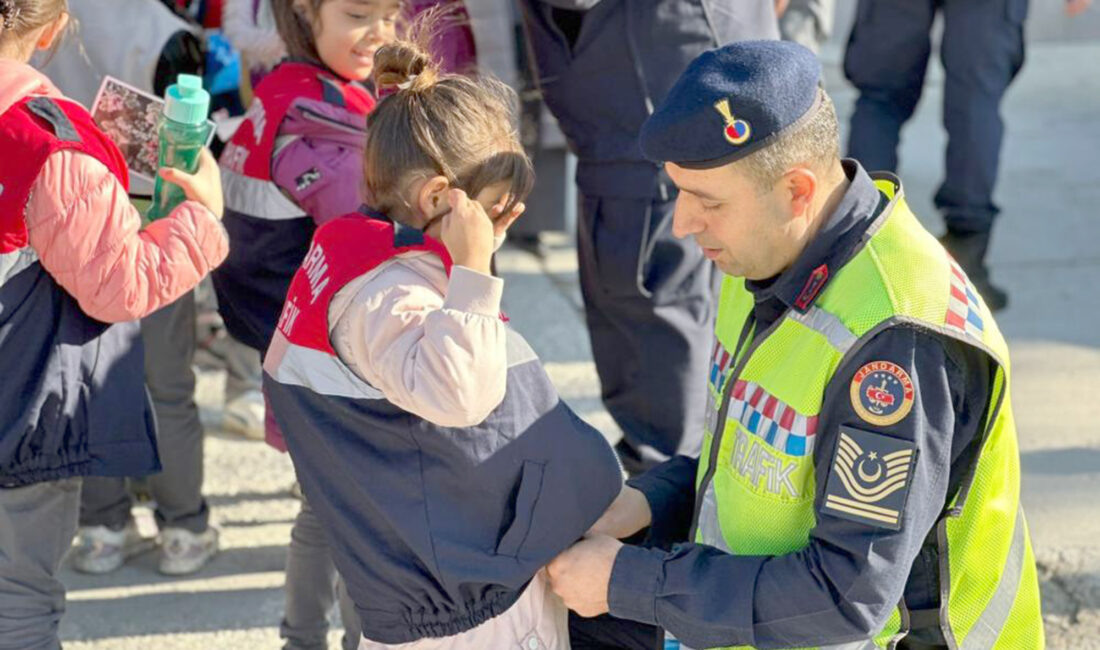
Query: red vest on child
36	127
434	529
268	233
250	150
73	399
343	250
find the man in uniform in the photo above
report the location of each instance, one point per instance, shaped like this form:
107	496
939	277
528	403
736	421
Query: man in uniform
859	480
602	66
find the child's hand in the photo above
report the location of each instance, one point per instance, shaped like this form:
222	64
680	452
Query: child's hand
467	232
204	186
502	222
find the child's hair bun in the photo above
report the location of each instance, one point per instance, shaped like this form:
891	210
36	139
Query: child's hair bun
405	65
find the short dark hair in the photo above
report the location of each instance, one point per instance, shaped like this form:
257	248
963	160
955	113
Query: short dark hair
815	141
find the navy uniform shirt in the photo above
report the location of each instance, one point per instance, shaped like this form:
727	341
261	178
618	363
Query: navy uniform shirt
845	584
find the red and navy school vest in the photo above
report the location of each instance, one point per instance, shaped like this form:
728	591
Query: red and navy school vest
268	232
73	400
434	529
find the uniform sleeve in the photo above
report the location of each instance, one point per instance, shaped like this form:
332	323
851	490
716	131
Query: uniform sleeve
845	584
319	162
441	358
89	238
669	488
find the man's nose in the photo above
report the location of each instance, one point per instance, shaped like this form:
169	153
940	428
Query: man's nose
684	223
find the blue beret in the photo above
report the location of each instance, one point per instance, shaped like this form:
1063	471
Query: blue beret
732	101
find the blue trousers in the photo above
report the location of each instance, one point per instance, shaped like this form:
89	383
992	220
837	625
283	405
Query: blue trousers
650	302
982	51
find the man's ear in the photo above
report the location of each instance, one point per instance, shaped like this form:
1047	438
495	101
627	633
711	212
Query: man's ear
431	200
800	188
52	31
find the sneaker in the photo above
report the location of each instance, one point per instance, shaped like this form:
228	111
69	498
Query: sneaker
244	415
102	550
184	552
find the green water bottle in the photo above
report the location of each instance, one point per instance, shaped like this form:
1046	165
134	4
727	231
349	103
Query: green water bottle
182	132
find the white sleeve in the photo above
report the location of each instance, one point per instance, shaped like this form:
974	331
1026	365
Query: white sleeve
441	358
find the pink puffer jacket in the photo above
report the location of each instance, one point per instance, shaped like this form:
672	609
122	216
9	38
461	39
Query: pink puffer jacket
88	235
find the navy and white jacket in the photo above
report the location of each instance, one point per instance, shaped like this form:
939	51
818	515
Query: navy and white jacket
434	529
72	396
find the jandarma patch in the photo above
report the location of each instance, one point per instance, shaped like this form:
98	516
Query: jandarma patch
882	393
869	480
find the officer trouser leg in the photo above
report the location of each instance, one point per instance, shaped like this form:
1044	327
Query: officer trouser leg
982	50
649	302
886	59
37	524
608	633
169	338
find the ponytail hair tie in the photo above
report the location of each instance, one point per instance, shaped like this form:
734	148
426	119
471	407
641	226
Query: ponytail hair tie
405	85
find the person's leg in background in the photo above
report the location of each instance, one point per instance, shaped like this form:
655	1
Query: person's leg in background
312	588
242	410
244	400
108	535
183	516
982	51
37	524
886	60
649	302
808	23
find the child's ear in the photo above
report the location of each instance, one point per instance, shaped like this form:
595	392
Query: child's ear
52	31
432	197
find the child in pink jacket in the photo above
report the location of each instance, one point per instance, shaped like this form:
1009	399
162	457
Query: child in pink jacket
76	270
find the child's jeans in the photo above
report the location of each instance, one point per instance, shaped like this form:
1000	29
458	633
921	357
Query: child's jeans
312	587
538	621
37	524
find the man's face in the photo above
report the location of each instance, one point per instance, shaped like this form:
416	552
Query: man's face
744	229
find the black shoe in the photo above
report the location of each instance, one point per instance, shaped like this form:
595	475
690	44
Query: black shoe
969	251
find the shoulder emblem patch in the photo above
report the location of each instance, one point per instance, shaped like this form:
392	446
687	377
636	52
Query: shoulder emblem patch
882	393
869	481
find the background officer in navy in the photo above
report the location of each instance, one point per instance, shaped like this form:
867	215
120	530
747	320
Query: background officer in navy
859	482
602	66
982	51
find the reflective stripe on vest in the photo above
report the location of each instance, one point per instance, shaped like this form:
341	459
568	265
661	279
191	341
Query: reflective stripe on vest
257	198
992	620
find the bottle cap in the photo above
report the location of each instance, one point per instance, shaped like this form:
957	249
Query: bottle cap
186	101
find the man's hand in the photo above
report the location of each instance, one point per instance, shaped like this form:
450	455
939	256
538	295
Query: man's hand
626	515
581	574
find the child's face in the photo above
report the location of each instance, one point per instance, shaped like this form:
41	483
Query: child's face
348	32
